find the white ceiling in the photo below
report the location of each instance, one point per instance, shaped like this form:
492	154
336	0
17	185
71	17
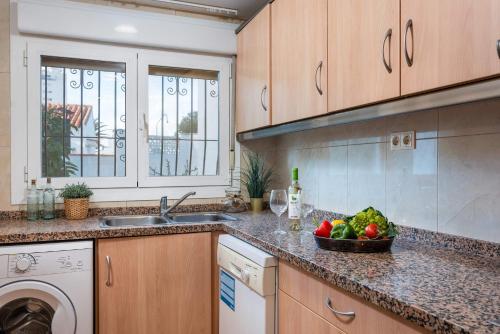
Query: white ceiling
246	8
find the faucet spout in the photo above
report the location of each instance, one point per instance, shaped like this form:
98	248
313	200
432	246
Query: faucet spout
164	209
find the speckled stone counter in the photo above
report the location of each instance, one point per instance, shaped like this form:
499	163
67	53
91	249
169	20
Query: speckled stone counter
437	287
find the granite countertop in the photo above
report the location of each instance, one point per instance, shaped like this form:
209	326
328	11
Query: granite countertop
436	287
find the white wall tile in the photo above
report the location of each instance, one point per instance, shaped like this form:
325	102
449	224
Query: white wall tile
469	186
366	177
412	185
332	179
373	131
469	119
424	123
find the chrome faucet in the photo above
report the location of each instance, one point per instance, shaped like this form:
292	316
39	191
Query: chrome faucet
165	210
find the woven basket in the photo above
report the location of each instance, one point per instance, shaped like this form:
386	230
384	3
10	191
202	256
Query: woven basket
76	208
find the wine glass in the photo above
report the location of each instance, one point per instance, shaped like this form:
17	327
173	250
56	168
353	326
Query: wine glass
278	203
306	208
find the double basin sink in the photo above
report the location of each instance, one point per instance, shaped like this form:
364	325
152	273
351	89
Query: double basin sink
190	218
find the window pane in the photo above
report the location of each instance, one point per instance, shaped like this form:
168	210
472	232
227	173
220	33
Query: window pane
183	110
83	117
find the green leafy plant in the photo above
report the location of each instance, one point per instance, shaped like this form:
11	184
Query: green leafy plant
256	178
79	190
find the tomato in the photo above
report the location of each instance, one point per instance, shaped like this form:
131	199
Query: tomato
371	231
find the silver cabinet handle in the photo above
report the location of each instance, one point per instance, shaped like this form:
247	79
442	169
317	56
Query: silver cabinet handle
498	48
108	270
262	98
328	304
409	26
388	37
318	81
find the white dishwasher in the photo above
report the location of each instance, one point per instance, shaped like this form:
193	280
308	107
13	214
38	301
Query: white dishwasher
247	288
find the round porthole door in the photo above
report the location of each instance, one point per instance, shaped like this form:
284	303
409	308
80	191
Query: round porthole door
34	307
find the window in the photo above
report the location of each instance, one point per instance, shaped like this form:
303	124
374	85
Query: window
83	118
114	117
183	136
185	103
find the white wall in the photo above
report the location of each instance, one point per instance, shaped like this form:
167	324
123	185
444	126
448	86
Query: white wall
449	183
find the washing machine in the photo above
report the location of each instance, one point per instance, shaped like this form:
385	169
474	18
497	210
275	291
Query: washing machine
47	288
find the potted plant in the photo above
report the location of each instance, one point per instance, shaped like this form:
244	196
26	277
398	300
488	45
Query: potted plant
257	179
76	200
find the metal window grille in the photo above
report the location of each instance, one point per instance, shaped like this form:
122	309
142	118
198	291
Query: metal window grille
183	134
83	118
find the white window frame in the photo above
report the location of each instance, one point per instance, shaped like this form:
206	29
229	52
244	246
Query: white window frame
35	51
25	107
192	61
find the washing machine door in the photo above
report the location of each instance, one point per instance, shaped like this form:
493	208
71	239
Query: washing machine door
35	307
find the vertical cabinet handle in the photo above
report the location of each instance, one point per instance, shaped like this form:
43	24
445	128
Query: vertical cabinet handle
108	270
388	37
409	27
262	98
318	78
328	304
498	48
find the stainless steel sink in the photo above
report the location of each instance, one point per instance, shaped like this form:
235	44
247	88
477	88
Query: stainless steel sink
118	221
185	218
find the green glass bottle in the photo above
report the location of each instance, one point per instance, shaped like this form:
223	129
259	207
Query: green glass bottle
294	203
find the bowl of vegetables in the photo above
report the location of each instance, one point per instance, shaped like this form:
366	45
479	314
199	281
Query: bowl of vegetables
368	231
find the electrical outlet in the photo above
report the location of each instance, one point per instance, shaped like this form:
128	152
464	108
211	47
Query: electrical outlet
395	142
407	140
402	140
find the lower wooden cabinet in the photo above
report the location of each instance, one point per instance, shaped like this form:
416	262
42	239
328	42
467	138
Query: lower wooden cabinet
313	295
295	318
157	284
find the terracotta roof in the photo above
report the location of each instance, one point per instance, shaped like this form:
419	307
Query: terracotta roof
74	112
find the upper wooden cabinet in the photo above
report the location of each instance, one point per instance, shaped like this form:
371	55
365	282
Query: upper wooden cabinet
448	42
299	59
159	284
253	81
363	52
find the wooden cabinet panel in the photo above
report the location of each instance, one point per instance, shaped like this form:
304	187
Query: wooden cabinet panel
312	293
253	73
358	44
159	284
299	45
453	41
294	318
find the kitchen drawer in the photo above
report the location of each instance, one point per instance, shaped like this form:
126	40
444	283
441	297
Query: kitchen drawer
295	318
313	293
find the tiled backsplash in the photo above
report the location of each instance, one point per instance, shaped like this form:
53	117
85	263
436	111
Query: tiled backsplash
450	183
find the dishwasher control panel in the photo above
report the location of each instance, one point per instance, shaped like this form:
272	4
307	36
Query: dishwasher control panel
260	279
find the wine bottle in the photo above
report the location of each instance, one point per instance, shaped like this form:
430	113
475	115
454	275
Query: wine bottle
294	192
49	200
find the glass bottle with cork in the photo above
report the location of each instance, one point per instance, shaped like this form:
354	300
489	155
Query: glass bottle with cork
49	200
294	203
33	202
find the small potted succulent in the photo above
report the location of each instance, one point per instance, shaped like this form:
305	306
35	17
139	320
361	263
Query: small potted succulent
257	179
76	200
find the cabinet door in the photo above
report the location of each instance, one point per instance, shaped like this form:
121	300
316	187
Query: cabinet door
159	284
253	73
448	42
294	318
363	52
299	59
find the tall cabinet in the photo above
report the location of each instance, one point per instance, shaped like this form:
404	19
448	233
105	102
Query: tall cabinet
447	42
253	65
363	52
298	59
